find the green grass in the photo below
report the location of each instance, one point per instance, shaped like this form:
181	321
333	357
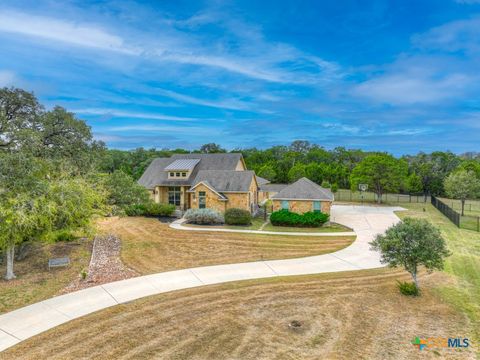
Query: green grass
330	228
472	207
463	265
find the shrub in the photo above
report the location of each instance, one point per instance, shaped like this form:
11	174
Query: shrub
308	219
203	216
408	288
150	209
237	217
154	209
135	210
83	274
64	235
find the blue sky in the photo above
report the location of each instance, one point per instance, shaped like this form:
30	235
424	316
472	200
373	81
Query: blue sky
399	76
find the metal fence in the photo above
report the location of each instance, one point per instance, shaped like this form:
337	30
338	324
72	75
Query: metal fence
367	196
446	210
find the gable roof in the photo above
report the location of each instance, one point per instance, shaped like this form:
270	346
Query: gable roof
155	173
225	180
304	189
273	187
261	181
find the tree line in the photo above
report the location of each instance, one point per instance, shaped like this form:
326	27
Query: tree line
55	177
423	173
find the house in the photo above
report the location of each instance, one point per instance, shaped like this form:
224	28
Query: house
215	181
222	181
302	196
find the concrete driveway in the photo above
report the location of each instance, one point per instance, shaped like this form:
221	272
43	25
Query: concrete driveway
366	221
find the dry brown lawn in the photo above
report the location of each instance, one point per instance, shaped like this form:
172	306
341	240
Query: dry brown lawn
35	282
355	315
149	246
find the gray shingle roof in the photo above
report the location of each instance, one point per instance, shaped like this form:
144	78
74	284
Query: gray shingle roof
226	180
272	187
155	173
182	164
304	189
262	181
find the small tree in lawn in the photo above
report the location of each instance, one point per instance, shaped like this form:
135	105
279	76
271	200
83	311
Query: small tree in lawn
411	244
462	185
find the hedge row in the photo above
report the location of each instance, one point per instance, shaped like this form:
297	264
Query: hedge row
150	209
308	219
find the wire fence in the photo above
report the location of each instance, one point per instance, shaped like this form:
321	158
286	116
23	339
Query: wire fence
470	222
367	196
472	207
446	210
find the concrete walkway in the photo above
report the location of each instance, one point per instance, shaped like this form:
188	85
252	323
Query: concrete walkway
179	225
367	221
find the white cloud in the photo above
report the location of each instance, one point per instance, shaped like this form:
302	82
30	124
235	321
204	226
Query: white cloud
130	114
161	128
7	78
232	104
412	88
452	36
250	55
85	35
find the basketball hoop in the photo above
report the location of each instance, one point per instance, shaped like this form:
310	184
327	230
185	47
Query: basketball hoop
362	188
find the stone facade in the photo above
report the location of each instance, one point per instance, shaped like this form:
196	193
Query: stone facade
211	200
240	200
302	206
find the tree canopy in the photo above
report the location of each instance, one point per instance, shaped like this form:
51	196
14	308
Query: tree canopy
462	185
381	172
412	243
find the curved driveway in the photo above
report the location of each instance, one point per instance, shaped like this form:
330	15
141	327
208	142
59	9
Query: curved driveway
366	221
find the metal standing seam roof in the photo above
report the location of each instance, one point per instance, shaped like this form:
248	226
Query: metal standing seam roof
304	189
182	164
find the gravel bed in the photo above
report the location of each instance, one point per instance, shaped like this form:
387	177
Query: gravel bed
105	265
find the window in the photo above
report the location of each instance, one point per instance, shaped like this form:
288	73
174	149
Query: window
202	200
172	174
285	205
174	195
317	206
177	174
184	174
